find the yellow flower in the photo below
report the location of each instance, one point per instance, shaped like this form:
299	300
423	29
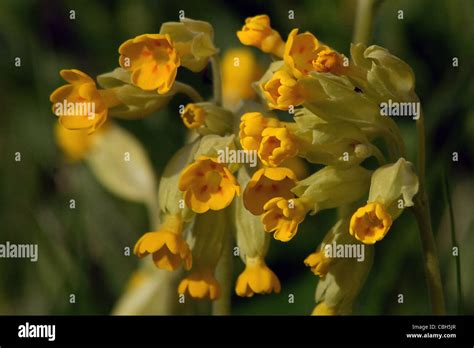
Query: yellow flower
74	143
153	61
258	32
239	70
319	263
200	284
283	216
300	52
252	125
268	183
257	278
370	223
167	246
323	309
277	145
328	60
208	184
282	91
304	54
79	105
193	116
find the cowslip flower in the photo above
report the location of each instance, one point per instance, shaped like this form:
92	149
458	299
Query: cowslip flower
392	189
370	223
75	144
258	32
208	184
200	284
268	183
328	60
152	60
304	54
282	91
300	52
277	145
79	104
167	246
207	118
239	70
283	216
193	116
318	263
257	278
251	127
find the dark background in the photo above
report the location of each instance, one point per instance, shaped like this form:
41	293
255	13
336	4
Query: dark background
81	250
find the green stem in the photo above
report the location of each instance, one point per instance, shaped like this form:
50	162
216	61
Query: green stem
421	210
216	79
363	21
447	196
189	91
222	306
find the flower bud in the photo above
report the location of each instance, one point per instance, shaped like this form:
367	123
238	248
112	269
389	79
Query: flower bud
207	118
194	42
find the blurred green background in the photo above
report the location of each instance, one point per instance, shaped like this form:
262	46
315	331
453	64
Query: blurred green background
81	250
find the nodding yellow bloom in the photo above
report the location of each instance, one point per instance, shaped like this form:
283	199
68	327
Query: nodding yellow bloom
323	309
75	144
153	61
257	278
282	216
268	183
237	78
200	284
79	104
167	246
300	52
193	116
328	60
370	223
208	184
277	145
319	263
252	125
282	91
258	32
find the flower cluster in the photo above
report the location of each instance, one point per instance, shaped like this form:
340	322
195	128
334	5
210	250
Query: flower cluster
206	199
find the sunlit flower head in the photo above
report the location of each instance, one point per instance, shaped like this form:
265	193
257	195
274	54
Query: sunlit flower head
239	70
252	125
167	246
257	278
319	263
258	32
193	116
200	284
152	60
327	60
283	217
282	91
268	183
300	52
277	145
208	184
79	105
370	223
